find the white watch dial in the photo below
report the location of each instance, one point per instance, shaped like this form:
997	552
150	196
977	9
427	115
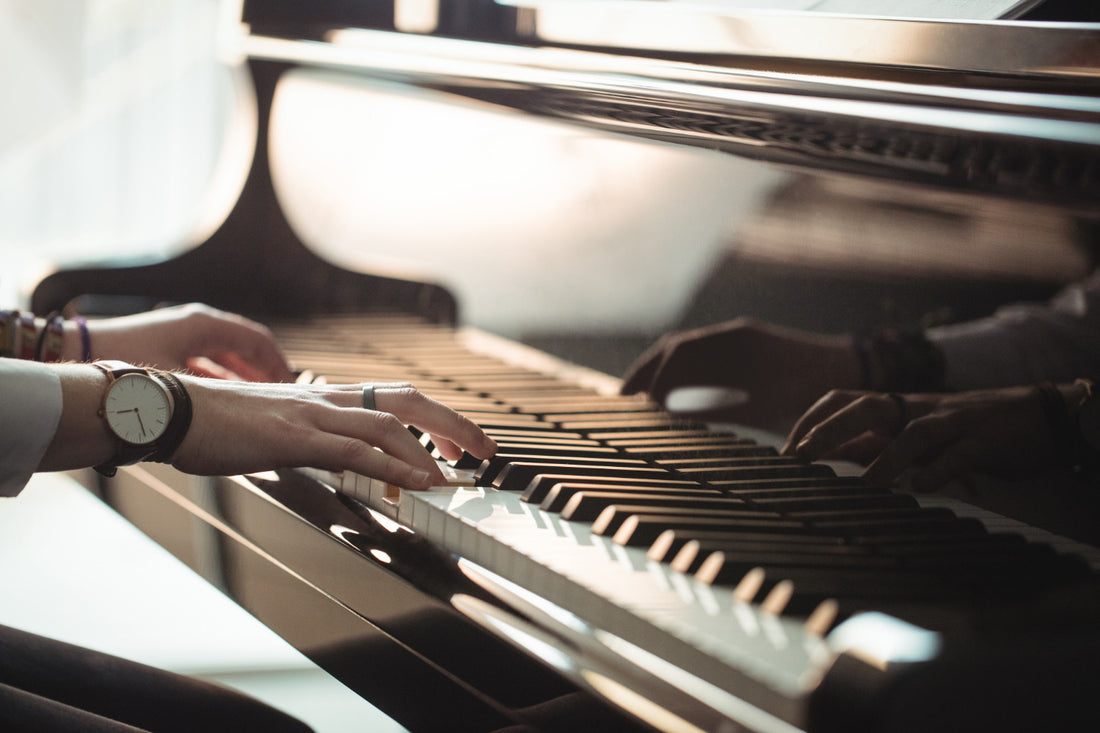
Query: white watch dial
137	408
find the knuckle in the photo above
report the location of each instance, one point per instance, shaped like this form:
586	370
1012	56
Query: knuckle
387	422
348	451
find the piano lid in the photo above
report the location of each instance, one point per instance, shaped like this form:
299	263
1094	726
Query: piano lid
1003	108
960	37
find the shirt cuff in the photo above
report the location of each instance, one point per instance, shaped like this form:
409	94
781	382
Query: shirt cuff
30	405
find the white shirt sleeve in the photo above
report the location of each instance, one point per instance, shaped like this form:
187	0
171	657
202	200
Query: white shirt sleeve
1021	344
30	409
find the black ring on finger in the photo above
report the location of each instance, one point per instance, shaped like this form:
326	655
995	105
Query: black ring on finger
903	411
368	397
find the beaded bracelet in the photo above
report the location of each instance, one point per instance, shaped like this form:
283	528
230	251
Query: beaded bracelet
18	334
85	339
28	336
51	340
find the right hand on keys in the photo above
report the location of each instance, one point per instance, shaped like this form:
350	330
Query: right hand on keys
243	428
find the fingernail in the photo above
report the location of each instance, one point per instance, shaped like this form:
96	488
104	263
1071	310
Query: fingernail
421	477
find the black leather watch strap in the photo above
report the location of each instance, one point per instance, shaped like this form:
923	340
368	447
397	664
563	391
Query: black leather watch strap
177	429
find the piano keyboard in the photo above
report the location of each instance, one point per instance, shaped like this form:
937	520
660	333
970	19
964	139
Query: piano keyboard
694	553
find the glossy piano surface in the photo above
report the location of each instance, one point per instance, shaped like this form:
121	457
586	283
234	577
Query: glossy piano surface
601	186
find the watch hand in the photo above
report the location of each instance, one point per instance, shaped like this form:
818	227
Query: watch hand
141	425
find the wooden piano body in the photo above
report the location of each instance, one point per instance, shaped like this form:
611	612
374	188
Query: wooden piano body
449	628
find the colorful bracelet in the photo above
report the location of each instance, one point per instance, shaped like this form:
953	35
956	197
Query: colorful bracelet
85	339
52	339
28	336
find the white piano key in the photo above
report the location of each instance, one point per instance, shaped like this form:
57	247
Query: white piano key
596	579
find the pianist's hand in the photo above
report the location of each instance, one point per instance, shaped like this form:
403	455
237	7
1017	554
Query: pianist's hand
930	439
195	337
243	428
780	371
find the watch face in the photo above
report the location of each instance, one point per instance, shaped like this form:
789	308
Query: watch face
137	408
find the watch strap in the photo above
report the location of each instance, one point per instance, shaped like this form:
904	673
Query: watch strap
169	442
115	368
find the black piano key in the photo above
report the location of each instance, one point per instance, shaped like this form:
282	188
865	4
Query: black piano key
540	487
626	426
491	469
545	438
586	506
560	451
699	450
538	433
737	487
561	494
568	406
753	458
467	461
804	492
517	476
631	436
671	541
609	416
497	425
966	532
736	561
506	416
688	438
789	504
730	473
639	526
878	522
986	550
724	468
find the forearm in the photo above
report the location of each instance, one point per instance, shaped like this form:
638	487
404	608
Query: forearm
81	438
1026	343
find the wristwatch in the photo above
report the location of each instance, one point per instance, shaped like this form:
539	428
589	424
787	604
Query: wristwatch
143	413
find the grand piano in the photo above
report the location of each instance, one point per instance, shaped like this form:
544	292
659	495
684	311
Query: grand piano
621	567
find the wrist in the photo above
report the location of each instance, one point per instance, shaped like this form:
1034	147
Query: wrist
81	438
